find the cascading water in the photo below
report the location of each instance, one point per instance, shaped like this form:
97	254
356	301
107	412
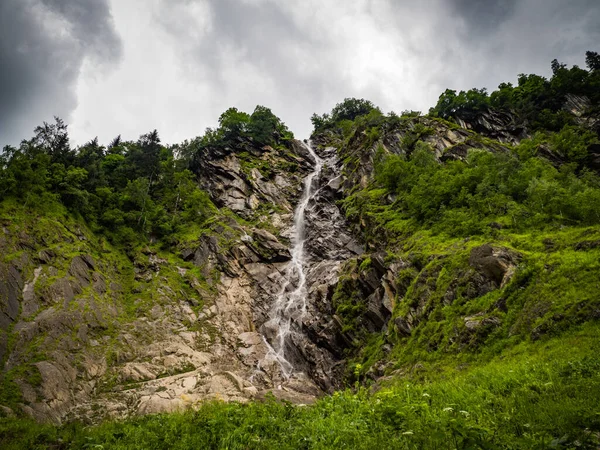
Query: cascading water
290	305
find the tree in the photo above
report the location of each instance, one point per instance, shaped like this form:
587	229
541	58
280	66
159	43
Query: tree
503	96
450	104
115	142
592	61
351	108
54	140
233	124
320	122
90	158
145	156
266	128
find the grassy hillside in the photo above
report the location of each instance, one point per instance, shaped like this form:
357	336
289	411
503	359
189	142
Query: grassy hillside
540	395
428	219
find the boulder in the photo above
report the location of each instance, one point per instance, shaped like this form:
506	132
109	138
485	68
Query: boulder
496	264
402	326
479	320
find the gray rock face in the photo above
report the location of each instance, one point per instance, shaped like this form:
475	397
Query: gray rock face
253	276
269	248
499	125
317	351
495	264
11	286
234	182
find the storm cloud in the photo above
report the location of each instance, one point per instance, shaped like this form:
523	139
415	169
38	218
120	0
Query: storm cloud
129	66
43	44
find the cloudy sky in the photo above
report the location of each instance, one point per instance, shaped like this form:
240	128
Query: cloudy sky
126	67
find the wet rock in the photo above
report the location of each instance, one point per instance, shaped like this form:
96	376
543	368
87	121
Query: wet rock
138	372
355	248
268	247
154	262
46	256
576	105
6	412
99	284
160	403
375	313
31	303
587	245
479	320
55	386
250	338
63	290
499	125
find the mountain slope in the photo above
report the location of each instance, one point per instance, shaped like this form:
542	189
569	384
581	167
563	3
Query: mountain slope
450	261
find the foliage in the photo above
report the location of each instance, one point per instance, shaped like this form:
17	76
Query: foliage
451	104
131	191
462	198
348	110
536	100
592	60
262	126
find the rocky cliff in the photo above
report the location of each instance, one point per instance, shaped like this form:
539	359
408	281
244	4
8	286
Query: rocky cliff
91	331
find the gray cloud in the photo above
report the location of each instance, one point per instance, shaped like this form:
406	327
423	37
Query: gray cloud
395	53
42	46
524	39
482	17
264	37
186	61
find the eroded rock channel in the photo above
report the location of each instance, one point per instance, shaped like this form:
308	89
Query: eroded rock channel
185	340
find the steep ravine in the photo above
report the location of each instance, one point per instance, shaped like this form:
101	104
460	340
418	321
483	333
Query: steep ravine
76	351
300	327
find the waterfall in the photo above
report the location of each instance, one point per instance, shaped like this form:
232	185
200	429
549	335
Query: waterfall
290	304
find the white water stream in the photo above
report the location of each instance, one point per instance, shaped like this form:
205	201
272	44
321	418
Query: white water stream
290	304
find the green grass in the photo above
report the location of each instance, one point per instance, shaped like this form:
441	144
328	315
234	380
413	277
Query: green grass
537	396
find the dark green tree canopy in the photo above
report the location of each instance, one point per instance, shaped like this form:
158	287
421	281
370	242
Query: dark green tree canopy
592	60
349	109
535	99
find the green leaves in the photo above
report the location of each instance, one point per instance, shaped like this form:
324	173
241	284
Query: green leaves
450	104
458	198
233	123
572	143
537	101
130	192
348	110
